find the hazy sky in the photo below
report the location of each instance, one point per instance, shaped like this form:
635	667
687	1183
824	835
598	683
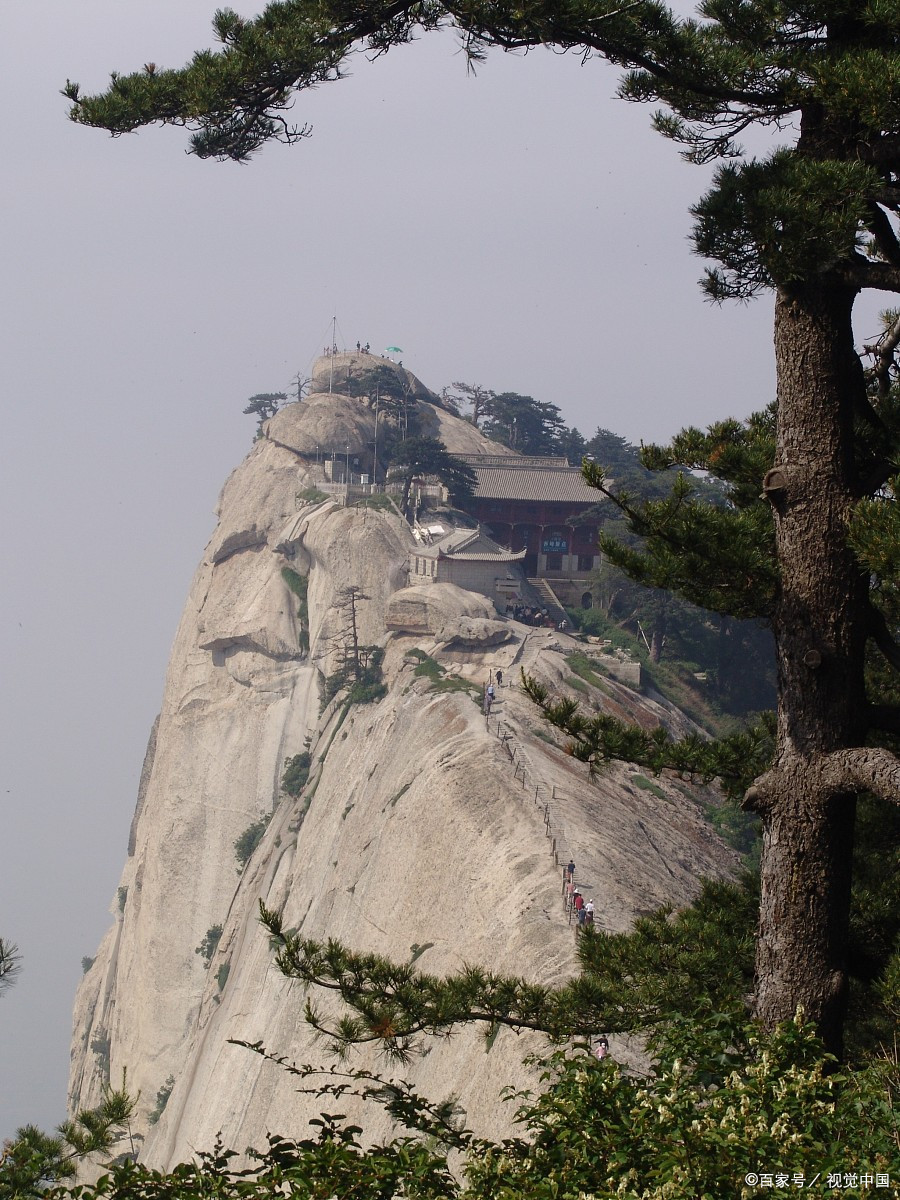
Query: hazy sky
520	229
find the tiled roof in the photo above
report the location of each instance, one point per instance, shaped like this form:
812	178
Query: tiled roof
469	545
564	485
498	555
513	460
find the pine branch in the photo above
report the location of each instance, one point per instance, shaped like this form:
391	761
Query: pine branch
442	1120
10	963
884	235
861	272
717	558
669	964
735	760
884	351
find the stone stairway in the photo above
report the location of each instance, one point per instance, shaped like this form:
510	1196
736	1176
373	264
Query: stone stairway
549	599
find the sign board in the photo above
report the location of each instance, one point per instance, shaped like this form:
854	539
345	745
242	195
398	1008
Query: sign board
557	543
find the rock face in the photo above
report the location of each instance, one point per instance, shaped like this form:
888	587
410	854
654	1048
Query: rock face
415	835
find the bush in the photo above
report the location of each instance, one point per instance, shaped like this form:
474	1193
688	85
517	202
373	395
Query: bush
162	1099
647	785
299	585
722	1106
249	840
432	670
379	501
724	1111
365	688
311	495
587	669
296	773
366	693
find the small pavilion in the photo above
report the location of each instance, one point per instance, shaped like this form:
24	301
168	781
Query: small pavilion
468	558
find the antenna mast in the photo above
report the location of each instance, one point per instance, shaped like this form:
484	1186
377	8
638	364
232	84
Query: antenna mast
331	354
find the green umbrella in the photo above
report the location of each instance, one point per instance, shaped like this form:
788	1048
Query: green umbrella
392	350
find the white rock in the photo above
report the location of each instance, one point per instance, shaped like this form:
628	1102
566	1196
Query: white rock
417	835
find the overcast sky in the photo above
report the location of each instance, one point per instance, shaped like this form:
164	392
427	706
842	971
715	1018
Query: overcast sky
520	229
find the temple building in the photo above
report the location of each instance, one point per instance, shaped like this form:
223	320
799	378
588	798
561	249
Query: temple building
530	504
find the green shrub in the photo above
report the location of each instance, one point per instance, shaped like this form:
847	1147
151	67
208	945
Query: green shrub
122	895
86	964
249	840
437	676
366	693
378	501
311	495
585	668
162	1099
222	975
207	947
647	785
722	1109
594	622
365	688
296	773
721	1106
299	585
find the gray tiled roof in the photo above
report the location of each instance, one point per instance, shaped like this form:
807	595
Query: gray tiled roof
514	460
469	544
564	485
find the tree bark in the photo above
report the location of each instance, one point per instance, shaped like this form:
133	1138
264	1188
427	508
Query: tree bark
660	628
820	631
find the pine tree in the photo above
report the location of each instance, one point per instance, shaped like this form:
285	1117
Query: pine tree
264	405
814	222
526	425
429	456
10	964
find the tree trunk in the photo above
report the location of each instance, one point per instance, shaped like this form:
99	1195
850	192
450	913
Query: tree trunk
660	628
820	630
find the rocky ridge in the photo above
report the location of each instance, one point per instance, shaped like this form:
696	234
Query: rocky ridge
422	830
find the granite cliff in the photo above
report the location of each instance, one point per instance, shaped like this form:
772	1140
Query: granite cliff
420	831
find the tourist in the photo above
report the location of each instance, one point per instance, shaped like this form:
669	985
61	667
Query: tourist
499	678
571	869
602	1049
